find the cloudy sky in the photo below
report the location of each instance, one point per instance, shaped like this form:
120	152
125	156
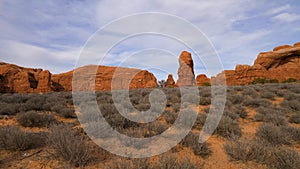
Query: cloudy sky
51	34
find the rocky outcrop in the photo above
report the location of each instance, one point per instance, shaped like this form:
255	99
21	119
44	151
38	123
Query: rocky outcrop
202	80
14	78
282	63
170	83
186	76
105	77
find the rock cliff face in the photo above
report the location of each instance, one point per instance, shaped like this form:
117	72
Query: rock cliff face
186	76
14	78
23	80
170	83
282	63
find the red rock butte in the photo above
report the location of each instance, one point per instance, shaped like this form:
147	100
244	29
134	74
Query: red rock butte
281	64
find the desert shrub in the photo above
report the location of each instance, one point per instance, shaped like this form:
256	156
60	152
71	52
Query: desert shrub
283	158
256	103
172	161
13	138
205	91
247	91
206	84
205	101
231	114
271	115
69	145
295	118
142	107
35	102
67	113
288	95
170	116
275	119
35	119
290	80
9	109
295	89
228	128
64	111
125	163
292	132
293	105
241	111
273	134
247	150
192	141
235	99
268	95
201	118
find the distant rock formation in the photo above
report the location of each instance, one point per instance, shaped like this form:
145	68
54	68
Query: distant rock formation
170	83
23	80
282	63
186	76
202	80
124	78
14	78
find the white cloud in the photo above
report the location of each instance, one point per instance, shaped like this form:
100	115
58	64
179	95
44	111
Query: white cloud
33	56
279	9
286	17
50	34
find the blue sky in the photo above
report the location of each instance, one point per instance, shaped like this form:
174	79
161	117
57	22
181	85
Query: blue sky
50	34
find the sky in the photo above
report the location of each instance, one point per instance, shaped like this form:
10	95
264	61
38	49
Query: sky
52	34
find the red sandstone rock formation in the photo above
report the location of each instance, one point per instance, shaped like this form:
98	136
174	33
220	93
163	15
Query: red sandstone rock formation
186	76
14	78
124	78
282	63
170	83
202	80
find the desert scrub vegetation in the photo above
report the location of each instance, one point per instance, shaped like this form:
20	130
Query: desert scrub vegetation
61	103
274	115
35	119
278	135
69	144
192	141
228	128
277	157
295	118
13	138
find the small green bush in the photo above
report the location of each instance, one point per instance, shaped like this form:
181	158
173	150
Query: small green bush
263	81
290	80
